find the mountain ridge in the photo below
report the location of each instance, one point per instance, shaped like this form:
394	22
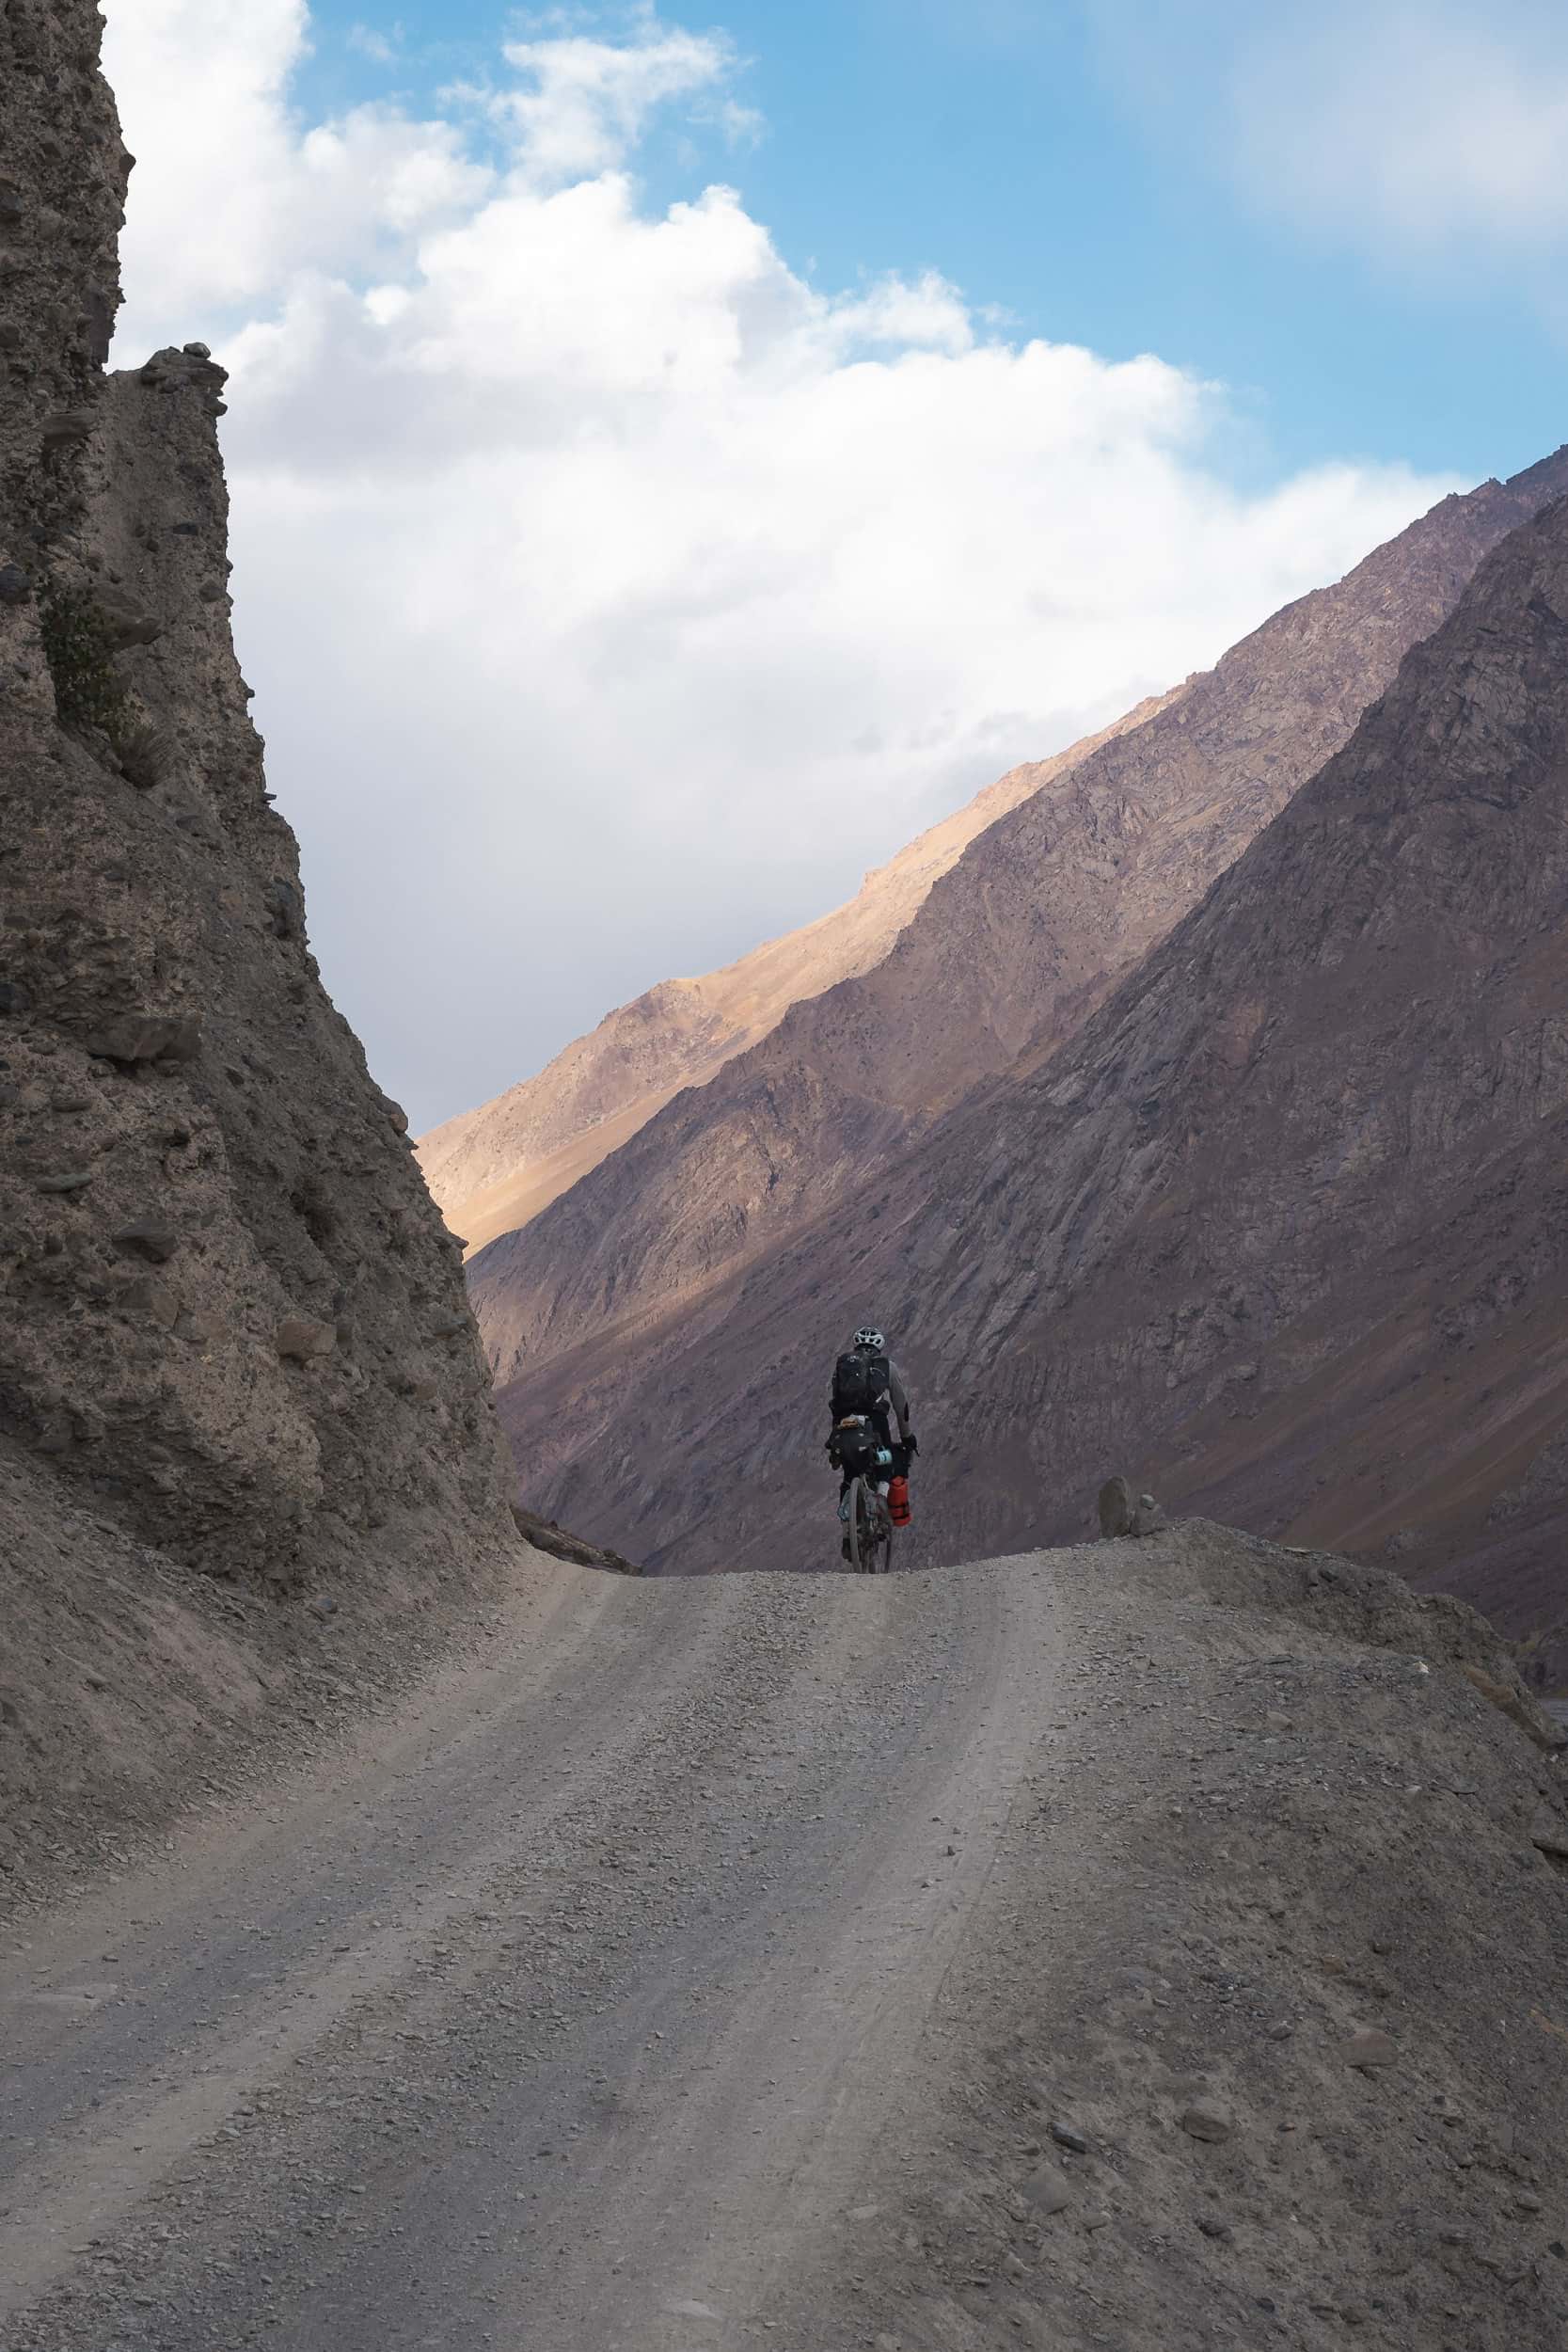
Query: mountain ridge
493	1169
1281	1228
1012	948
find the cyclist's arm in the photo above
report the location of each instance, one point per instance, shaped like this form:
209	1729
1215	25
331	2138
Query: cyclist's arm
900	1400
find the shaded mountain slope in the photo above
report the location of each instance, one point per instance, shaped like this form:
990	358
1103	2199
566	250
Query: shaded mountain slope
1283	1230
493	1169
1010	953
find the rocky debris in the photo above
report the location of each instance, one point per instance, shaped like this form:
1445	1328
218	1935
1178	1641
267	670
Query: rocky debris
1240	1819
146	1237
146	1293
67	428
1121	1513
1369	2047
1207	2118
1548	1829
287	911
1115	1507
149	1037
1518	1706
545	1535
129	621
303	1341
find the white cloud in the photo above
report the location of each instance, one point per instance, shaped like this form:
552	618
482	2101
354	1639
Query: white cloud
1400	126
233	195
585	100
381	48
613	596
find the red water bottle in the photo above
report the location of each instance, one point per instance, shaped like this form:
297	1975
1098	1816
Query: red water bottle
899	1502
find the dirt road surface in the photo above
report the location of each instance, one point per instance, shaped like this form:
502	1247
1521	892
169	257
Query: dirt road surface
722	1962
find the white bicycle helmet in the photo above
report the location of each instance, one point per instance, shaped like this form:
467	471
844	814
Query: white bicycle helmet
867	1336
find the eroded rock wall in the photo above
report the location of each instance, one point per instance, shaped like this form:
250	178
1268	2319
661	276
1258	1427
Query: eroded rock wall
228	1310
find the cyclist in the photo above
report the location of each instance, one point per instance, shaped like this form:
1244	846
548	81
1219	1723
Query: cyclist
867	1383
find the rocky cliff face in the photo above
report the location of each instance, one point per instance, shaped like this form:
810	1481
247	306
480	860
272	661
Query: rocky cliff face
494	1168
231	1323
1282	1231
1013	949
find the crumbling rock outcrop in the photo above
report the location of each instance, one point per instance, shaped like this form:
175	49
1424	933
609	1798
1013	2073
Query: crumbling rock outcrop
1124	1512
194	1164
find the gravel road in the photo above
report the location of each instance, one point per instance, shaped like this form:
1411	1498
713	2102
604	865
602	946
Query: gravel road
1156	1946
576	2000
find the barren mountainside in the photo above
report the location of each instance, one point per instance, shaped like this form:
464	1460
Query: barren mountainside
234	1338
1154	1945
1013	948
1282	1231
493	1169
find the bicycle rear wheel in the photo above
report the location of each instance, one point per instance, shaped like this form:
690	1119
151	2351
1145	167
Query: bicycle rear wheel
862	1522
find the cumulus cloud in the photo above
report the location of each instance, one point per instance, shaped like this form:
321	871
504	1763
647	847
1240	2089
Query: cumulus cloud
584	101
615	595
233	194
1400	126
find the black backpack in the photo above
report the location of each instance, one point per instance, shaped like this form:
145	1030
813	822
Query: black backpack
860	1382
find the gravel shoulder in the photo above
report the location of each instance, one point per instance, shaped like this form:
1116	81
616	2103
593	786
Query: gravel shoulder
707	1963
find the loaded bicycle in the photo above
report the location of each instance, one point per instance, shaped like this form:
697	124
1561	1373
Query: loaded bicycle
865	1464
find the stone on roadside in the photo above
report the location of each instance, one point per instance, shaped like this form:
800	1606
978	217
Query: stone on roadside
146	1237
1548	1830
1207	2118
1370	2046
1047	2192
1115	1507
1068	2136
1518	1707
301	1339
1148	1519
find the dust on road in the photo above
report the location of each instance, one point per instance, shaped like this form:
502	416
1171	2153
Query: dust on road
1149	1948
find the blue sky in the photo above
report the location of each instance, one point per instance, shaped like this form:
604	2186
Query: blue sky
996	145
677	457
